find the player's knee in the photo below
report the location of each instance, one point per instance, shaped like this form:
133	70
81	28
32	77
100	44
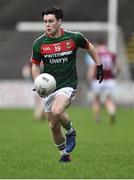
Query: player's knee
56	111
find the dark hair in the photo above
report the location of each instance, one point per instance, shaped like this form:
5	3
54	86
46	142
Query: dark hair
53	10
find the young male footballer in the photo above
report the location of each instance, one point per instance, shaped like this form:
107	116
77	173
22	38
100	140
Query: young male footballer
103	93
57	48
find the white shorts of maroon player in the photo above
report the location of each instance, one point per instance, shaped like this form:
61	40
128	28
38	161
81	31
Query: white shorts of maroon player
107	87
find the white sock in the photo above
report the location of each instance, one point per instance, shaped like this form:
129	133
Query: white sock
63	152
69	131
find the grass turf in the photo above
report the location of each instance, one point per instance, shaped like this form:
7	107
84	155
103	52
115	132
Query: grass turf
102	151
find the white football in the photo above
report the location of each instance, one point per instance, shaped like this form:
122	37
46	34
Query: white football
44	84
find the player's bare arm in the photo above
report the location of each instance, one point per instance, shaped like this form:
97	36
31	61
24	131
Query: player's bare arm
93	53
35	70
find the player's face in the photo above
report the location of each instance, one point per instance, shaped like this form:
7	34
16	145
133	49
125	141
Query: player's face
52	25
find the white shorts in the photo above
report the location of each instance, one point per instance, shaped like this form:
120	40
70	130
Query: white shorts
67	91
107	87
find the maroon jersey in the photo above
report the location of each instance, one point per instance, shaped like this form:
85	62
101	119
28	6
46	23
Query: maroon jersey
108	60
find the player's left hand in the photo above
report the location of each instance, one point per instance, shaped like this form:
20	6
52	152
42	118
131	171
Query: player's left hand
99	73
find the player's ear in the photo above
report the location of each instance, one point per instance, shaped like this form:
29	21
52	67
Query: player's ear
59	22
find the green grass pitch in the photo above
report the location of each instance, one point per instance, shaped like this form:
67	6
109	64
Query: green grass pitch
102	151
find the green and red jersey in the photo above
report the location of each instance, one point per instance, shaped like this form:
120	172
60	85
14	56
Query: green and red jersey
59	56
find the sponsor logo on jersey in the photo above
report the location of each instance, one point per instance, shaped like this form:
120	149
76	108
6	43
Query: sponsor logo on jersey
58	47
59	60
68	45
58	54
46	48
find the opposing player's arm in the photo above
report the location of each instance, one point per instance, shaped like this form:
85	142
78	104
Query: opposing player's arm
117	66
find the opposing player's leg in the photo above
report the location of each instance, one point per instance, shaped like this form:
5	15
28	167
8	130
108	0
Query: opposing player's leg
111	108
39	113
96	108
96	104
109	99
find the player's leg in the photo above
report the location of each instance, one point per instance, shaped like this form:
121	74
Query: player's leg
109	99
55	105
96	104
58	136
55	126
60	103
96	108
111	108
39	113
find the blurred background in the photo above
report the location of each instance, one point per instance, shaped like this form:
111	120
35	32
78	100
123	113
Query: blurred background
21	23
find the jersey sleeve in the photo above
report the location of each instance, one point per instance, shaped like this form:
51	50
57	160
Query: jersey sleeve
36	56
81	40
